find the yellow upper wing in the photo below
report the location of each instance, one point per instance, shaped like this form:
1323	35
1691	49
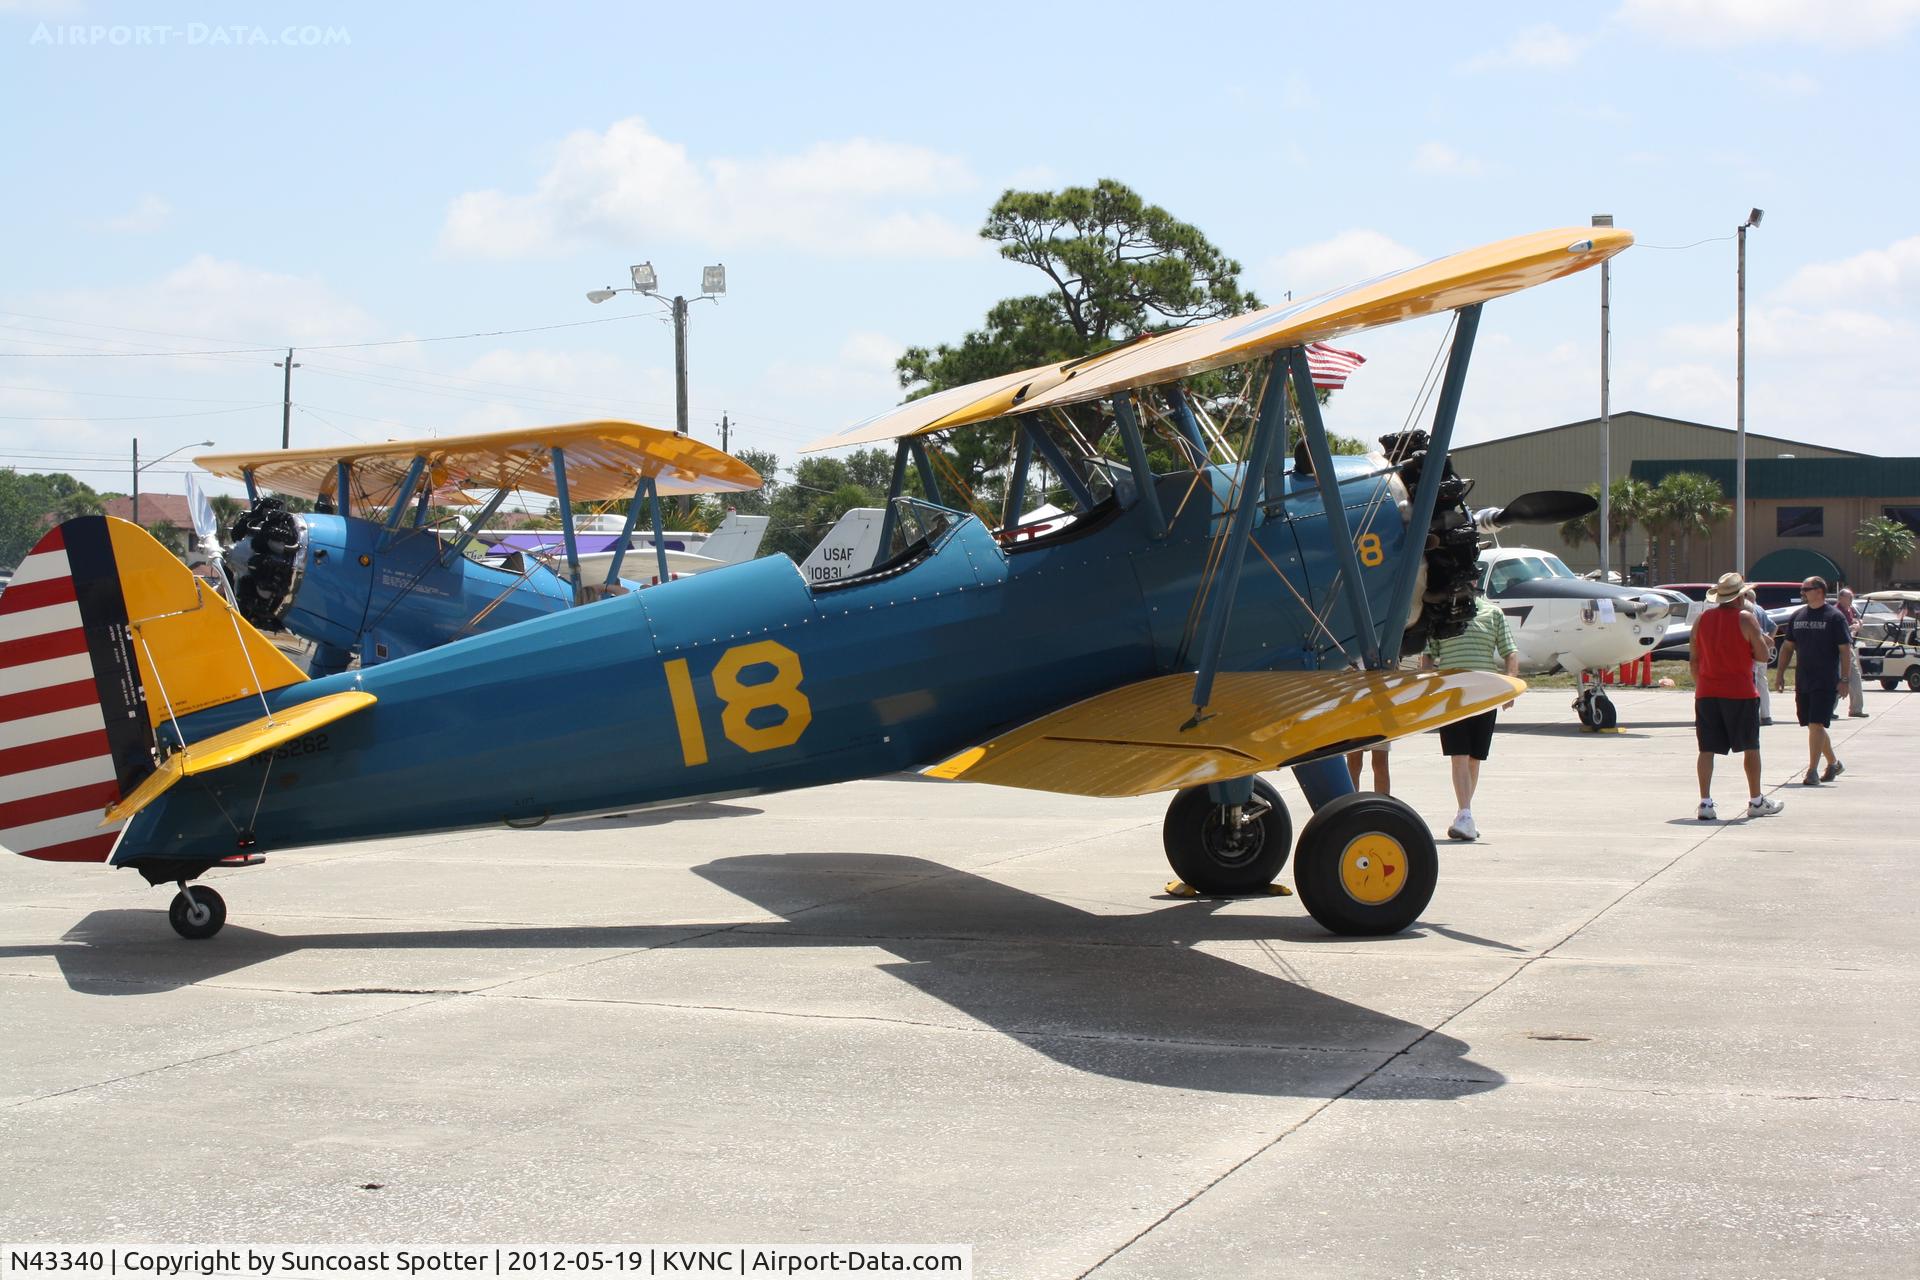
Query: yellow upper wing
1443	284
1134	740
604	461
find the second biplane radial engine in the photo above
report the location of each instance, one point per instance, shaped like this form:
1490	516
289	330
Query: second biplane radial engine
360	578
1180	629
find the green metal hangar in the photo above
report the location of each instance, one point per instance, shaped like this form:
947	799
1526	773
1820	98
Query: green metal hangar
1803	513
1804	500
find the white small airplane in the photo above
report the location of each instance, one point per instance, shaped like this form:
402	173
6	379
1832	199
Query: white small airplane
734	541
1562	622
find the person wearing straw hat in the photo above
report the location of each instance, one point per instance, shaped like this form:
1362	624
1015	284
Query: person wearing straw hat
1727	641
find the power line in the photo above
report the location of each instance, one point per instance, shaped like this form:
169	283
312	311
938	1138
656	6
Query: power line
131	417
121	395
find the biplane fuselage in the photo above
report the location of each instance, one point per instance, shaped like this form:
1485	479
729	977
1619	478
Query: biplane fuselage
747	680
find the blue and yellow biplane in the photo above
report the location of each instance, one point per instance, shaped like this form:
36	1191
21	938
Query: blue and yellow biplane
367	574
1133	647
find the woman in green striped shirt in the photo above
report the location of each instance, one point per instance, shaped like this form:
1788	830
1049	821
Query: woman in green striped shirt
1486	645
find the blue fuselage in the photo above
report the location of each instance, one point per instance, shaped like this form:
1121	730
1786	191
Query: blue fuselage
746	680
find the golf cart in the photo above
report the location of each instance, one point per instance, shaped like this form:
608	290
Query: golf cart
1893	656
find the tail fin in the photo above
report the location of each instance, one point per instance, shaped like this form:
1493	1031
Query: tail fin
105	636
736	540
851	546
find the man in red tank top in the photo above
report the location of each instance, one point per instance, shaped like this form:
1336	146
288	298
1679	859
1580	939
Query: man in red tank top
1727	641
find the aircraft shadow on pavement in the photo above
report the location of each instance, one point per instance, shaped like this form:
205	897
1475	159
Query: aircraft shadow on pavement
1127	996
702	811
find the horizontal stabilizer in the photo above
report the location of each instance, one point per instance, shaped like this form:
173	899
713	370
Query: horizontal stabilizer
1141	738
235	745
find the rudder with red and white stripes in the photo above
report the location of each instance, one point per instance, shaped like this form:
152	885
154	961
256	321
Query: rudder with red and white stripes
74	730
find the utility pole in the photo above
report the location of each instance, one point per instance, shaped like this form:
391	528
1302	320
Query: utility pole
286	399
1606	422
136	479
1740	404
680	364
723	432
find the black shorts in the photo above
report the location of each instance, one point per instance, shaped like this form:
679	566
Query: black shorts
1814	706
1472	737
1723	725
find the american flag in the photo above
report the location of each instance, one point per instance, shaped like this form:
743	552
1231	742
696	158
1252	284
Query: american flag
1331	365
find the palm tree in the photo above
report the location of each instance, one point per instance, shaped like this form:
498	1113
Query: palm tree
1688	505
1627	500
1884	541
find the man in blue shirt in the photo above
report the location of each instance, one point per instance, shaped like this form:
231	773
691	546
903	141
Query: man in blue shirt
1817	636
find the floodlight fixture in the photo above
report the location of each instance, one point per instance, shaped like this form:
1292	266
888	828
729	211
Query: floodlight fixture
644	279
713	279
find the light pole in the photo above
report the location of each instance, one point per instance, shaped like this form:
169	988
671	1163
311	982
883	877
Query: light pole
139	466
1740	404
713	281
1606	422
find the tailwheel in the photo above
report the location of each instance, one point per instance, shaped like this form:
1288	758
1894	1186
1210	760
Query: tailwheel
196	912
1224	850
1366	865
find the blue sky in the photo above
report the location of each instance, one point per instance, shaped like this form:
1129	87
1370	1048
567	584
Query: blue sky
200	176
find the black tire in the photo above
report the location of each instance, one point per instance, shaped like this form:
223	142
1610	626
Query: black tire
1206	851
1342	872
1604	714
1913	679
198	917
1889	684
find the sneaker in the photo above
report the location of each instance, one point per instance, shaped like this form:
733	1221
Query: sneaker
1811	780
1834	770
1763	807
1766	720
1856	715
1706	813
1463	828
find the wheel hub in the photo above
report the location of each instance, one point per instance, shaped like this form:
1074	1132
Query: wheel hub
1234	835
1373	868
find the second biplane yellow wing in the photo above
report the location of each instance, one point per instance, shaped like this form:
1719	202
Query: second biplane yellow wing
1444	284
1141	738
604	460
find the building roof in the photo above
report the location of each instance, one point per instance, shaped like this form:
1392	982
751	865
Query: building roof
1658	417
1855	477
154	507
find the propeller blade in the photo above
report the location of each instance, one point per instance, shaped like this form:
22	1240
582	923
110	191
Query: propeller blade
1547	506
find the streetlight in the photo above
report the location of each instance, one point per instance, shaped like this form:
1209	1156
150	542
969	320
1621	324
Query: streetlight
139	466
1740	404
713	281
1606	422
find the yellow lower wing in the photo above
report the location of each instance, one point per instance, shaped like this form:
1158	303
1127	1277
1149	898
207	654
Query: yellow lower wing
237	744
1135	740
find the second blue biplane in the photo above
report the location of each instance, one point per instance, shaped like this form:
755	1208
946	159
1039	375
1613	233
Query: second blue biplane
1127	649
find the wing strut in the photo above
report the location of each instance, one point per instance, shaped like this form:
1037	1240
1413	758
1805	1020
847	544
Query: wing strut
1239	532
659	529
626	531
1338	529
1058	462
559	457
895	488
1426	494
1016	503
1143	481
405	491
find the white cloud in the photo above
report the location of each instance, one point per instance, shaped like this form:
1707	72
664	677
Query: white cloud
860	374
858	196
147	214
1535	49
1730	22
216	301
1440	160
1352	256
1878	277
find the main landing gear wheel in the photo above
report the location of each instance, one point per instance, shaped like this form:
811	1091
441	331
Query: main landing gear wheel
1366	865
196	912
1225	850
